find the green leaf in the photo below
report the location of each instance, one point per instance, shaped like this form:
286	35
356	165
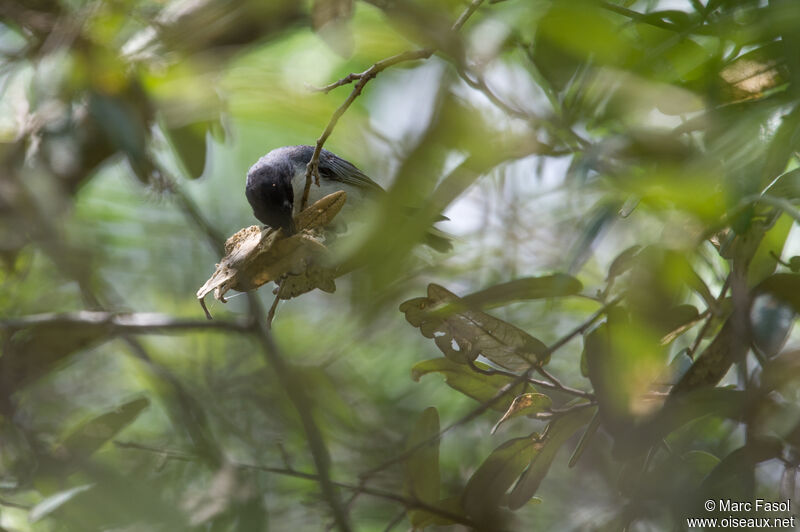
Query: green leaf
714	362
487	487
623	262
556	285
425	519
784	287
189	143
464	335
558	433
55	501
786	186
691	405
700	462
90	436
590	431
421	481
469	382
525	404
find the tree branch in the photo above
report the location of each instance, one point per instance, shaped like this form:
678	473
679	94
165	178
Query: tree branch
125	323
361	79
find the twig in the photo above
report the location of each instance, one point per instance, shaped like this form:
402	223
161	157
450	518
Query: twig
702	332
407	502
464	16
536	382
312	169
559	386
361	79
273	307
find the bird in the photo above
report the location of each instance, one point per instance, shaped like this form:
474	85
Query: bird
276	182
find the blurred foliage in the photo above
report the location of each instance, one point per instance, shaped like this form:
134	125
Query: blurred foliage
621	179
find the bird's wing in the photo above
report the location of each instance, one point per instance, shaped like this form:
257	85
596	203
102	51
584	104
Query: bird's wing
337	169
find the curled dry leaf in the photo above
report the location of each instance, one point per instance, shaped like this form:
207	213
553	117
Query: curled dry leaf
525	404
462	333
298	263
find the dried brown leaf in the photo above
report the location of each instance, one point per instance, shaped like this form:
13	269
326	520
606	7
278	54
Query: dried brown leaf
299	263
466	333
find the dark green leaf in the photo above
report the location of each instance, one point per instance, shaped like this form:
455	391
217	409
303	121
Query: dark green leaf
557	285
469	382
545	452
784	287
189	143
487	487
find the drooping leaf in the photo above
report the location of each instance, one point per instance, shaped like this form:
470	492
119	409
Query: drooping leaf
559	432
469	382
91	435
464	335
525	404
421	480
487	487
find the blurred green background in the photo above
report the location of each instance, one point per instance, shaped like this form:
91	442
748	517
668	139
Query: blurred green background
621	186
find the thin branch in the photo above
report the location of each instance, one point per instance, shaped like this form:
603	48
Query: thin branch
407	502
561	387
273	308
124	323
361	79
462	19
536	382
704	329
312	169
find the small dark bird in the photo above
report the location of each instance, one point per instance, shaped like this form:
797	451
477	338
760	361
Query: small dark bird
276	182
